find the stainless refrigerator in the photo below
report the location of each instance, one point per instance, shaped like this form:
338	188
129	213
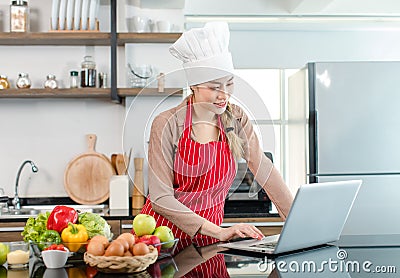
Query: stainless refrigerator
347	117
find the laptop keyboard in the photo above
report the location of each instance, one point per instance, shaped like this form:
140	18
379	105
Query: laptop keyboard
271	245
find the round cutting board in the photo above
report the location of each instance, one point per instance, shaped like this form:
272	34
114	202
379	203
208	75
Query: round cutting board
87	176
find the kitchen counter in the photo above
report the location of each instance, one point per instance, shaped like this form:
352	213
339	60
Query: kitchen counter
195	261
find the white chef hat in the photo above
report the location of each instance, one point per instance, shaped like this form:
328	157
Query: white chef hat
204	52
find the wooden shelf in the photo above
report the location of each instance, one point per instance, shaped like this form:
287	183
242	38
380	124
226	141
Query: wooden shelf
123	38
85	92
56	93
56	38
83	38
127	92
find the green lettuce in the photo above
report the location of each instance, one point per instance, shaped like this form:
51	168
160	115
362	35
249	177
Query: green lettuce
95	225
35	227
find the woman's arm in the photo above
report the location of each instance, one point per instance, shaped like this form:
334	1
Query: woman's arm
262	168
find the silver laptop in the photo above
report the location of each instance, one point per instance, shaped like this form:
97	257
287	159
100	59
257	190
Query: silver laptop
317	217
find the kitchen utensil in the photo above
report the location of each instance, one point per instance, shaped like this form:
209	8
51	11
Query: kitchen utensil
113	161
62	14
120	164
70	14
54	14
87	176
138	184
85	14
77	14
128	160
93	9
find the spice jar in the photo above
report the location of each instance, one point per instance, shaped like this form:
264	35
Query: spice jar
88	72
4	84
103	82
19	16
23	81
74	79
51	82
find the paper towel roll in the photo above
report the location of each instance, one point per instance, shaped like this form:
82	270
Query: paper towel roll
119	192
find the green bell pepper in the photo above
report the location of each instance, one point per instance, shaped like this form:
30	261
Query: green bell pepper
47	238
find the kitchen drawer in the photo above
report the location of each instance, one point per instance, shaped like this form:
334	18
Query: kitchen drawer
11	231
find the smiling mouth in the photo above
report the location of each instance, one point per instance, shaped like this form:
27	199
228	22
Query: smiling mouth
220	105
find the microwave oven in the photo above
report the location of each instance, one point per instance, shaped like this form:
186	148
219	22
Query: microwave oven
246	196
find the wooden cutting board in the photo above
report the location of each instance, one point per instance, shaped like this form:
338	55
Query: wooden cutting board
87	176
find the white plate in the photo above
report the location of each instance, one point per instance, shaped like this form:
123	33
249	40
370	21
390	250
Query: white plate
77	14
54	14
70	13
85	14
93	14
62	12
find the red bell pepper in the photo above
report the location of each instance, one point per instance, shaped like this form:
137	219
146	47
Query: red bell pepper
60	217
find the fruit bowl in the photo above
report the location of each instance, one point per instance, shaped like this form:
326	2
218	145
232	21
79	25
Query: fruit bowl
55	258
117	264
167	248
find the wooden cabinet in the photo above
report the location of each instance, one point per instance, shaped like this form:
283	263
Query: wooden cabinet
11	231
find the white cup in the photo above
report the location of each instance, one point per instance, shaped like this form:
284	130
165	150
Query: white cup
163	26
140	24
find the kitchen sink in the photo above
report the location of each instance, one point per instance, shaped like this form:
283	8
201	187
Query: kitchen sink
34	210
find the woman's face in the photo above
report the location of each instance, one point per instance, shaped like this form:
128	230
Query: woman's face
214	95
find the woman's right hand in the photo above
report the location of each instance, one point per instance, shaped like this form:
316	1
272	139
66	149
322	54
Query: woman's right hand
239	230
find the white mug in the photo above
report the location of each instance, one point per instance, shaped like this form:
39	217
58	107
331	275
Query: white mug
140	24
163	26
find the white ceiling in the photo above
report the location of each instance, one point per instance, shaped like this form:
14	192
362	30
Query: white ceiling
292	7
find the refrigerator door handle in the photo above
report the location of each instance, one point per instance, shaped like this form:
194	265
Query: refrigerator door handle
316	139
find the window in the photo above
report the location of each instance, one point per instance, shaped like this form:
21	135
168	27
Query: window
271	87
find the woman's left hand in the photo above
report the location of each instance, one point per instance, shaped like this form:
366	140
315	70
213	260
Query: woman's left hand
240	230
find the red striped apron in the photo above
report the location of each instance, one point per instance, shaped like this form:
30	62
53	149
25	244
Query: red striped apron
203	174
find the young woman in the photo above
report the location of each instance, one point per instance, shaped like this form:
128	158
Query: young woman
194	147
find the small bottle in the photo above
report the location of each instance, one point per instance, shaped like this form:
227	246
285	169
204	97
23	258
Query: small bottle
103	82
4	84
161	82
51	82
19	16
74	79
88	72
23	81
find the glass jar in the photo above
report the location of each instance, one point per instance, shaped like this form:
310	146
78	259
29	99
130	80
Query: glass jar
51	82
4	84
23	81
19	16
74	79
88	72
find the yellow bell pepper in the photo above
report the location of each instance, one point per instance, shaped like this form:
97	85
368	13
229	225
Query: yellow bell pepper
74	236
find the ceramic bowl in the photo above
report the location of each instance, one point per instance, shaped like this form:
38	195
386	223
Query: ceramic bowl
55	258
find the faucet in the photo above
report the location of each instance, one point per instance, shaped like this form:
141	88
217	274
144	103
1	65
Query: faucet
16	202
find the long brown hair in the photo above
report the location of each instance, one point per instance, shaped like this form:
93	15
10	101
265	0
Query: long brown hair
234	141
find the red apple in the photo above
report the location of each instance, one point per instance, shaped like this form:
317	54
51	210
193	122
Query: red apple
135	235
151	240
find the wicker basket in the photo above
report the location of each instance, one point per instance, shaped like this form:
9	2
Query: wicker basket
116	264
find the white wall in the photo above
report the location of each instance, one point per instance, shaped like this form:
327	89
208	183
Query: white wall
293	49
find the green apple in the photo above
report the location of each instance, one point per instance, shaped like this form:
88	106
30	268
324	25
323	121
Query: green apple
165	234
143	224
3	253
168	271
